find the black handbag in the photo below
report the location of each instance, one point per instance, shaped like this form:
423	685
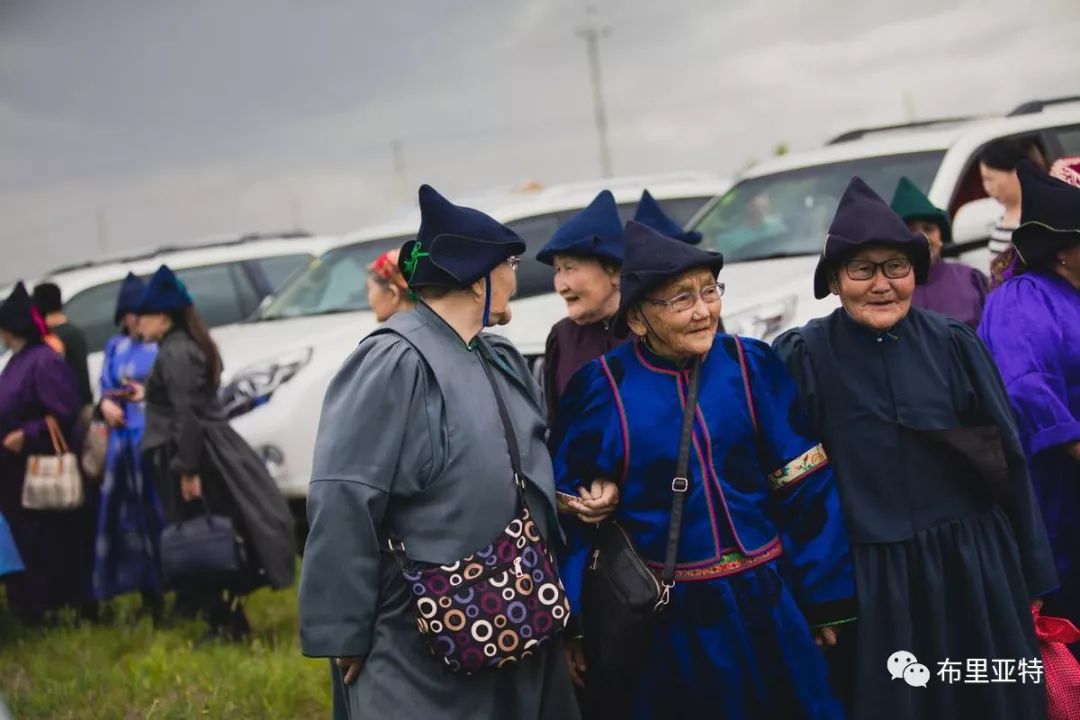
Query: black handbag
201	547
620	595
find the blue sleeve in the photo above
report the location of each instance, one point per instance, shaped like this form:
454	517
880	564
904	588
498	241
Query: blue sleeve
587	443
110	380
804	499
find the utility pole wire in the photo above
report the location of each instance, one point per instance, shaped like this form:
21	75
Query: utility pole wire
592	33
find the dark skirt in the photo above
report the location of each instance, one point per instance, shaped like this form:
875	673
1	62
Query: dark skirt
235	484
955	592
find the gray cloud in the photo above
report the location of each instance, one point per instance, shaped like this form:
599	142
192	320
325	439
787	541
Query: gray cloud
179	120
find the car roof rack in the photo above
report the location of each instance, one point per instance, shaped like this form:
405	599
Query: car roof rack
862	132
1035	106
150	253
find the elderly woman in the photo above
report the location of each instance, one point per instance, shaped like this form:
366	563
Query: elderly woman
387	291
587	253
127	549
1032	327
431	443
56	546
951	288
200	464
761	564
948	547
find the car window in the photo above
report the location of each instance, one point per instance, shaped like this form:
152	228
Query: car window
1069	139
788	213
92	311
533	276
278	269
335	282
214	290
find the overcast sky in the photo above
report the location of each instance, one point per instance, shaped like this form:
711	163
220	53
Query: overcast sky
131	124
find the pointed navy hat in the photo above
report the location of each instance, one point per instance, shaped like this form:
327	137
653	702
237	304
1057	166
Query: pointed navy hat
165	293
131	292
651	214
863	218
17	313
596	231
653	259
456	246
1049	216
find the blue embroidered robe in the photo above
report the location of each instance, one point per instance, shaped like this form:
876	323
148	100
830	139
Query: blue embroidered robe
763	552
127	550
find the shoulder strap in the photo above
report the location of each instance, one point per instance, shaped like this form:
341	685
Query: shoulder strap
680	484
507	425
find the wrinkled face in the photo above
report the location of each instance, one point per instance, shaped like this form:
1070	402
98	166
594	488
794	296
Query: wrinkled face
384	299
154	326
1002	185
589	289
880	302
503	287
678	334
932	233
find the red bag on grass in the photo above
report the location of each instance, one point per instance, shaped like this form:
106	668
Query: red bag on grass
1061	671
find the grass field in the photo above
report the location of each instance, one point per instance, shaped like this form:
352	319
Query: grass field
126	669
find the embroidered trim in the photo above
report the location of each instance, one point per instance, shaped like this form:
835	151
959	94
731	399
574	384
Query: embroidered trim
729	564
622	418
796	470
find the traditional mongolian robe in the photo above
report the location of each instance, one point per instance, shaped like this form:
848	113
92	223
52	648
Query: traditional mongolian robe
1032	327
569	346
945	566
410	443
129	525
953	289
763	555
56	546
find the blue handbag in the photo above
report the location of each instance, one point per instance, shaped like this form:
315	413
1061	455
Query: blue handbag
201	546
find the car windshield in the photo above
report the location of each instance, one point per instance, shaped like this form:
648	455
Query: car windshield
788	213
336	282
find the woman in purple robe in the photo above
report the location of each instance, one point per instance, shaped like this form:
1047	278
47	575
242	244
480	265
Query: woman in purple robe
1032	327
56	546
951	288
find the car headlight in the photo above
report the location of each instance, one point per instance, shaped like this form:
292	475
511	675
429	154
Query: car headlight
764	321
254	385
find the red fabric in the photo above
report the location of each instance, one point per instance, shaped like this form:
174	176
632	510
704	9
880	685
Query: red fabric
386	267
1061	671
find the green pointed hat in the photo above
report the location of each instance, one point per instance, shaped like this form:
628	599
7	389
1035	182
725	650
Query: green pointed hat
910	204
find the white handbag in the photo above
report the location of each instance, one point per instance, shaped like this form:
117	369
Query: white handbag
53	482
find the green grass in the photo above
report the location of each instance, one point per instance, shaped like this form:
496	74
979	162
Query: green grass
125	668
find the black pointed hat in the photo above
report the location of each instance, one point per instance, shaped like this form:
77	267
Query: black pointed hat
650	213
1049	216
17	313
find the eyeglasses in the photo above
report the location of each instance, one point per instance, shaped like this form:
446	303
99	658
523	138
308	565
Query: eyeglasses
684	301
893	268
513	261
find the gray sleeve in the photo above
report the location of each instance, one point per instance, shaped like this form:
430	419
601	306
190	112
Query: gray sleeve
376	440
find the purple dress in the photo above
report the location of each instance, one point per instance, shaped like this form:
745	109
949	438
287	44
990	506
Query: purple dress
953	289
56	547
1031	327
569	347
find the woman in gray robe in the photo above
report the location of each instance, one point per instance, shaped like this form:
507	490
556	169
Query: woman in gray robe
410	444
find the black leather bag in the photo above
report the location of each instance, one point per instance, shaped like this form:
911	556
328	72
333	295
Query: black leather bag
202	547
620	595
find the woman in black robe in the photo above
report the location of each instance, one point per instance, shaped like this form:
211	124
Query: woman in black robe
200	463
948	545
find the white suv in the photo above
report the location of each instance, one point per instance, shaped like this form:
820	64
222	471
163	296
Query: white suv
228	277
279	364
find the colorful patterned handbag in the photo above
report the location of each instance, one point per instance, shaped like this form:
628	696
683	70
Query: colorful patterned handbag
497	605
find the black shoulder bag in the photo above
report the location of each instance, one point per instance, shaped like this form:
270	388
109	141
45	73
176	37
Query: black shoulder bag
620	594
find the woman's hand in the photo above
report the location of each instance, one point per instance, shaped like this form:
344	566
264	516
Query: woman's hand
596	502
190	487
575	660
1037	604
138	392
352	667
1074	450
15	441
113	413
825	637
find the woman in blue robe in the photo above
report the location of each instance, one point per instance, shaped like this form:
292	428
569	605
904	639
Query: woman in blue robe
763	567
1032	327
127	551
948	546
